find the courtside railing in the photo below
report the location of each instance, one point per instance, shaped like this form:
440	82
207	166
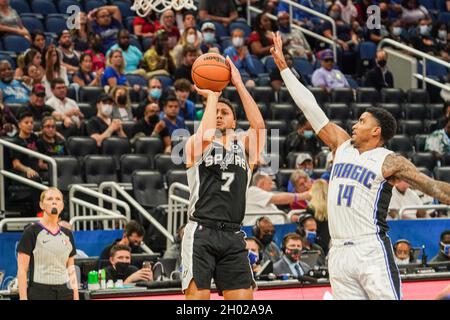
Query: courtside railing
6	145
315	35
421	55
403	210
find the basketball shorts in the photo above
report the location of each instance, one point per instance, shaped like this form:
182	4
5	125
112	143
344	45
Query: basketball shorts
210	253
364	269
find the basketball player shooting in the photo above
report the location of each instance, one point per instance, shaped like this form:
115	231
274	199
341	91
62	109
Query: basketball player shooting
361	262
220	163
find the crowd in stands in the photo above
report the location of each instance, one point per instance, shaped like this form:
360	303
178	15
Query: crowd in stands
126	76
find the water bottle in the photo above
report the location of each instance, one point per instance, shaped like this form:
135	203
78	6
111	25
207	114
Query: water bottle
102	278
93	280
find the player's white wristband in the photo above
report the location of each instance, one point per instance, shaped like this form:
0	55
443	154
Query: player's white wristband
305	100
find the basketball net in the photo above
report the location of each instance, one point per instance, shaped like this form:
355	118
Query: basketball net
144	7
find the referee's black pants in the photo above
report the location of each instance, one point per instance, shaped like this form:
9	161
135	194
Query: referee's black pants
37	291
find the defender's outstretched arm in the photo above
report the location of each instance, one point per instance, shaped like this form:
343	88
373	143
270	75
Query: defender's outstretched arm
331	134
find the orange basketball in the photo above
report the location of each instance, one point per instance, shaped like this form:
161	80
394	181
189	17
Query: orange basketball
211	71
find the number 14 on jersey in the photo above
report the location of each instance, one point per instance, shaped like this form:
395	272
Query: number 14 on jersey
345	195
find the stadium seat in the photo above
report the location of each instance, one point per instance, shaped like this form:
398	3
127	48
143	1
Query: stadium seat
284	96
442	173
149	146
400	143
69	172
148	188
430	125
99	168
225	42
417	96
240	25
124	7
349	124
129	24
146	43
81	146
179	176
435	110
21	6
283	111
445	161
318	172
415	111
243	124
128	128
444	17
87	110
435	69
164	163
419	142
303	66
134	41
136	79
424	159
43	7
90	95
32	23
282	178
265	111
190	124
130	163
394	108
392	95
165	81
283	126
359	108
64	4
367	95
367	51
92	4
342	95
321	95
410	127
231	94
270	64
339	111
116	147
15	43
264	95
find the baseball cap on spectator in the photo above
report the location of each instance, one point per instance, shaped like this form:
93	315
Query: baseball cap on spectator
39	90
104	97
326	54
208	26
302	157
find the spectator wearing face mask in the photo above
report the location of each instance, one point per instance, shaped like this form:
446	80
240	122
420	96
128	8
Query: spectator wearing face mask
102	126
241	58
133	235
303	139
444	248
264	230
422	39
440	34
290	262
209	41
307	229
254	247
121	268
122	103
380	77
261	199
398	33
153	96
152	126
188	37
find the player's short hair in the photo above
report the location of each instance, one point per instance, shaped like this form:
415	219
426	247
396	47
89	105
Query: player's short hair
134	227
386	121
118	247
229	104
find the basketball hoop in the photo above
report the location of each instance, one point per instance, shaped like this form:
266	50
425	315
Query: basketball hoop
143	7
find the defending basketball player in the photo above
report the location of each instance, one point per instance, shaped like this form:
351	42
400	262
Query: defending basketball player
361	262
220	163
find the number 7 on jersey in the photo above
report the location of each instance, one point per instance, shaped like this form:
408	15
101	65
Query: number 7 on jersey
345	193
229	177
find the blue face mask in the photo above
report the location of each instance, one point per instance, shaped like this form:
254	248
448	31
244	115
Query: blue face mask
155	93
209	37
308	171
308	134
311	236
253	257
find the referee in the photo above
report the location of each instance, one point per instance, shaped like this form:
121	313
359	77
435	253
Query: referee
47	251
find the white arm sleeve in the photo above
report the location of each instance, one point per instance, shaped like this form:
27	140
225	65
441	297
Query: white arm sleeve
305	100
